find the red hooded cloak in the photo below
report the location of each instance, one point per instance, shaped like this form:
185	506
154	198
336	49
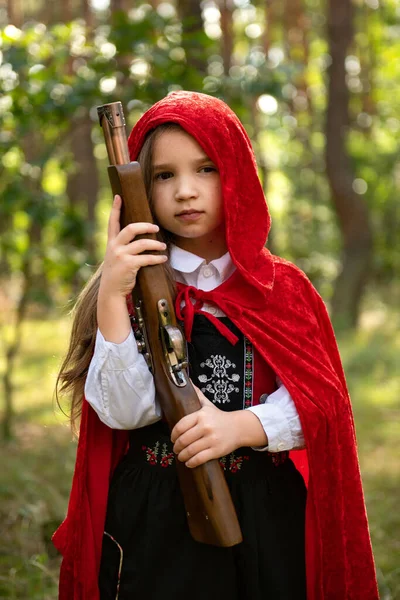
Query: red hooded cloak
276	307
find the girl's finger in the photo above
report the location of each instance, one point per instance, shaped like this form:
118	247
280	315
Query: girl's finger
186	439
183	425
192	450
128	233
205	401
147	260
113	221
200	458
144	244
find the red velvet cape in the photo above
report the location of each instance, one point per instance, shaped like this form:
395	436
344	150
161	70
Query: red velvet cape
277	308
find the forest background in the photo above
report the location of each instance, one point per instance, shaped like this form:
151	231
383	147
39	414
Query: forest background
317	86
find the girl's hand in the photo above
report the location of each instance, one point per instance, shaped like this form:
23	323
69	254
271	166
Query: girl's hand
205	434
123	257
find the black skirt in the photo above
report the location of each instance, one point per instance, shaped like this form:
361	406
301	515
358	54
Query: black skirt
148	552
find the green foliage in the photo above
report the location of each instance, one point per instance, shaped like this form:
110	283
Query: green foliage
50	76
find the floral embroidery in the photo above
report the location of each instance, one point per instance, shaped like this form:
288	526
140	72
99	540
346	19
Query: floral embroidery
232	462
248	374
152	453
235	462
278	458
166	459
219	384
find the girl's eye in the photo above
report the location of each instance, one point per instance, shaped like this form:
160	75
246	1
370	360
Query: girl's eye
209	169
163	175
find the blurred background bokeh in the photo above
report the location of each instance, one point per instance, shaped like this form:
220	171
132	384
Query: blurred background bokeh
317	86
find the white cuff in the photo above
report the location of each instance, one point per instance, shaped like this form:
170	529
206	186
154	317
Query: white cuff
275	425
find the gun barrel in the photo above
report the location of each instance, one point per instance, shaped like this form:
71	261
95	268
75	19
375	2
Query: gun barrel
112	121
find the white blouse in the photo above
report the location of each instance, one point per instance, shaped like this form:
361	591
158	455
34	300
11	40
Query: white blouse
120	387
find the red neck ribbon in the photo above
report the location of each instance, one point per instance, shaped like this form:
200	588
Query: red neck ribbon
186	309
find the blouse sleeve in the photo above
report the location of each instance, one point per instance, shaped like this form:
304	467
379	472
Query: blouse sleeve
119	385
280	420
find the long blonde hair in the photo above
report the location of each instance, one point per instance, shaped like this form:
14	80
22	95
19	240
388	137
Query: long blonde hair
72	375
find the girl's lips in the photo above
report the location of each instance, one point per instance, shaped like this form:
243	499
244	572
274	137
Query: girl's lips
189	216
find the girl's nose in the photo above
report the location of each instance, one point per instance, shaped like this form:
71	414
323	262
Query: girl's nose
186	189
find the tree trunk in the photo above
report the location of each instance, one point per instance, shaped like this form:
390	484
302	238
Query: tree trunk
66	12
15	12
226	9
271	11
28	280
123	61
14	346
351	209
83	184
120	5
88	17
368	63
192	28
296	30
293	24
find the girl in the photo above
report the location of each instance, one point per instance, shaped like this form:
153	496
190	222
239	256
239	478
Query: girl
253	323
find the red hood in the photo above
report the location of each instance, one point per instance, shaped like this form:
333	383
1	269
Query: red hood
223	138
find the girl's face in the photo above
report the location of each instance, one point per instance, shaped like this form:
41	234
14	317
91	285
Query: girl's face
186	194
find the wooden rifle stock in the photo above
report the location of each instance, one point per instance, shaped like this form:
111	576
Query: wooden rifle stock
209	508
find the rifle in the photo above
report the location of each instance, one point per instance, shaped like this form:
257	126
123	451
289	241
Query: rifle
209	508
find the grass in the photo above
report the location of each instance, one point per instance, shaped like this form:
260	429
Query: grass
37	466
371	360
35	477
